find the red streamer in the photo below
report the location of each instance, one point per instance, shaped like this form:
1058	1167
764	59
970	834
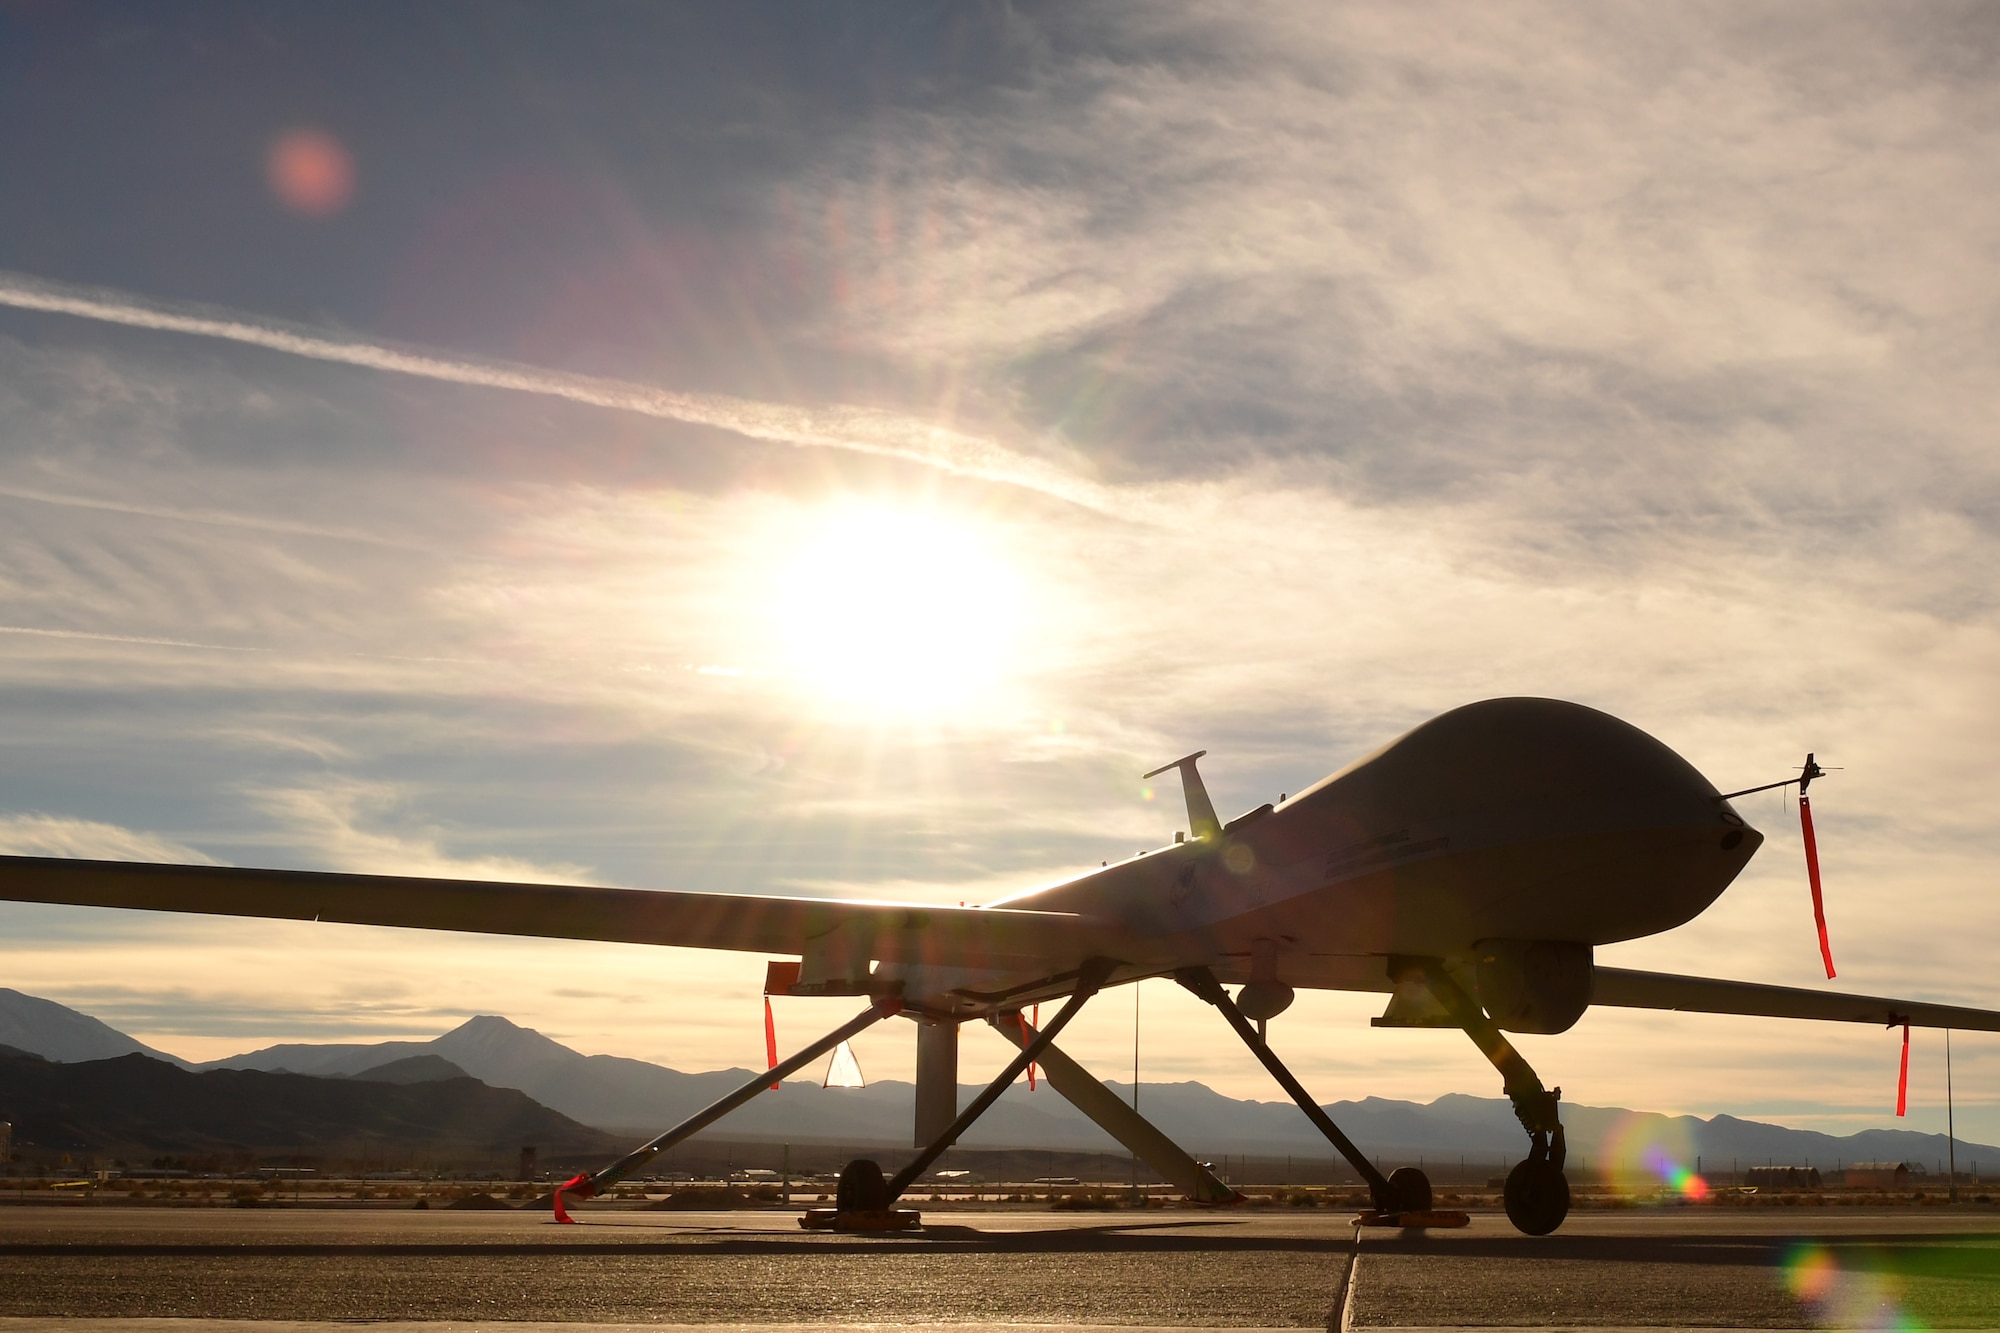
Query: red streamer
1031	1063
1812	874
770	1039
1903	1079
581	1186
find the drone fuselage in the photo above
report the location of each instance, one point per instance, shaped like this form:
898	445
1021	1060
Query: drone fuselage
1507	820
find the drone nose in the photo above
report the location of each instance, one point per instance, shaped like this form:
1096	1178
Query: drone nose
1738	836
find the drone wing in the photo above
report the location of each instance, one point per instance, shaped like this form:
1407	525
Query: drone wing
974	937
1625	989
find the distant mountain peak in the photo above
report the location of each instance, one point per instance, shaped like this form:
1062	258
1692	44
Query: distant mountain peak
489	1040
57	1032
480	1023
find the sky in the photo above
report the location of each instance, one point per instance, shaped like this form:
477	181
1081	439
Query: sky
836	449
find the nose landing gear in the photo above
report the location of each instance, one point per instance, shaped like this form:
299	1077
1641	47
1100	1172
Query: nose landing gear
1537	1192
1537	1197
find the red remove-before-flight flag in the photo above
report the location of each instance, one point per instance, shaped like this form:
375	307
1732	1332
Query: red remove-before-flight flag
1812	876
770	1039
1903	1077
1031	1064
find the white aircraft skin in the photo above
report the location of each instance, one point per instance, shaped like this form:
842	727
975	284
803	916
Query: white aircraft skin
1512	819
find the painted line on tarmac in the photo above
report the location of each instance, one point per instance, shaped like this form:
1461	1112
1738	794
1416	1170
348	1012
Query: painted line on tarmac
1347	1283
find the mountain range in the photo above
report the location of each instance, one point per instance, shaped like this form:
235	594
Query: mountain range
635	1098
56	1032
140	1108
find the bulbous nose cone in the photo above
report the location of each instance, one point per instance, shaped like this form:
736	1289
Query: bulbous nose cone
1555	821
1565	775
1557	765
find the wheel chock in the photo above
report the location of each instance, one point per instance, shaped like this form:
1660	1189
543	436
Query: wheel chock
1439	1218
862	1219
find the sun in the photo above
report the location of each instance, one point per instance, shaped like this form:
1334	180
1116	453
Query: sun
893	610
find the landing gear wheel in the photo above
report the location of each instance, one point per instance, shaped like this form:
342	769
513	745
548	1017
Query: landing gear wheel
1537	1197
862	1188
1411	1190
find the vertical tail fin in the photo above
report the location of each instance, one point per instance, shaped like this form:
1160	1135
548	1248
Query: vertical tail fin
1202	822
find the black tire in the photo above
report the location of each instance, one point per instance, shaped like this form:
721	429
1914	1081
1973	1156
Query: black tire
1537	1197
862	1188
1411	1189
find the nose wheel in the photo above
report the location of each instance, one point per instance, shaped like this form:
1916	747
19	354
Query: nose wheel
1537	1194
1537	1197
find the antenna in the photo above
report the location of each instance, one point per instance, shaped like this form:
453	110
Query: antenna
1201	814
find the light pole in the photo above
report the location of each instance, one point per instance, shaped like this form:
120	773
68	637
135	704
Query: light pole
1950	1121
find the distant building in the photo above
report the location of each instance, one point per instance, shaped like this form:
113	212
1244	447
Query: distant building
6	1142
529	1162
1783	1177
1883	1175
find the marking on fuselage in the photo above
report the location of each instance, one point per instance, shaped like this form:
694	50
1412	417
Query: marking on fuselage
1388	848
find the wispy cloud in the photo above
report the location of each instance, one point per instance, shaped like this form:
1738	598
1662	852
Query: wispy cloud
332	819
56	835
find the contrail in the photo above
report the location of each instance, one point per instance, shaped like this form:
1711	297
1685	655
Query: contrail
857	429
126	638
153	642
218	519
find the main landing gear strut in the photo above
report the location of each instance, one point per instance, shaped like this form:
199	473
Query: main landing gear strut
1090	979
866	1202
1401	1198
1537	1195
595	1182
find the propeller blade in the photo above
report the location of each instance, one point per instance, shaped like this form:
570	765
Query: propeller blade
843	1070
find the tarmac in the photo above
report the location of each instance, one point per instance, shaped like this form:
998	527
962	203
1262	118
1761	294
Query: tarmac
155	1270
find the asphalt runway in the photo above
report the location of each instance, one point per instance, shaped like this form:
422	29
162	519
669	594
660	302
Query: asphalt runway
123	1270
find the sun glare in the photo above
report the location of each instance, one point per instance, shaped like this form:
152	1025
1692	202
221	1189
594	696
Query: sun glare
893	610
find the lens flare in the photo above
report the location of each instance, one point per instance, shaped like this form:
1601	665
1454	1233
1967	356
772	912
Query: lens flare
1811	1273
310	172
1677	1177
1847	1295
1651	1151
